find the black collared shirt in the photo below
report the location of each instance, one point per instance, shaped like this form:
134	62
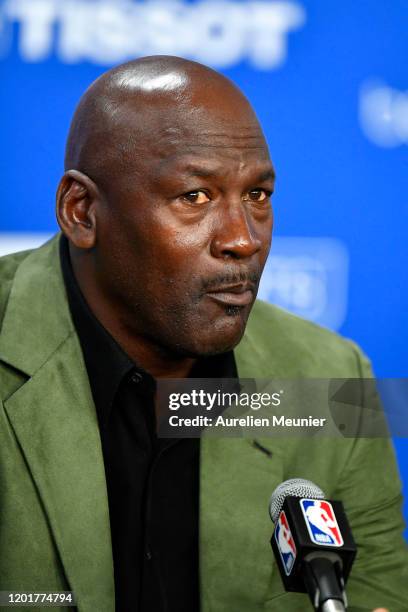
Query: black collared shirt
152	483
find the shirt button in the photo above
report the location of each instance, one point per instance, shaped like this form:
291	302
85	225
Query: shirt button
136	378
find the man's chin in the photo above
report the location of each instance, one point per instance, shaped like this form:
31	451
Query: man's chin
221	336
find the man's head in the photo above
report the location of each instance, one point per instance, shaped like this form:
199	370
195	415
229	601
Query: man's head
166	205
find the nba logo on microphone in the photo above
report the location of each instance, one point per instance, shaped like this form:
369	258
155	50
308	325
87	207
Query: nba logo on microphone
286	543
321	522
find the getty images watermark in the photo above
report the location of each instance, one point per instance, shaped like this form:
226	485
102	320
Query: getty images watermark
190	408
220	400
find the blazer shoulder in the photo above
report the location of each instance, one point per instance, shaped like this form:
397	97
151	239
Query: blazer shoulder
10	380
8	267
302	347
10	263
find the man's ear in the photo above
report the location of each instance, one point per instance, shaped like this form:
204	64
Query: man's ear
77	197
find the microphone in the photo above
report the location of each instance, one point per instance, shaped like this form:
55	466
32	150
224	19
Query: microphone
312	543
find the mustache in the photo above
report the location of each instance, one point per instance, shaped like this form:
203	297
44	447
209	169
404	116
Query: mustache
220	280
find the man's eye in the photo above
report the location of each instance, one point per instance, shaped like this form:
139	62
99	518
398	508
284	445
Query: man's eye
196	197
257	195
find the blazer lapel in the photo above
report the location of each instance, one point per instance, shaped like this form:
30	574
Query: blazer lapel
238	476
54	420
236	562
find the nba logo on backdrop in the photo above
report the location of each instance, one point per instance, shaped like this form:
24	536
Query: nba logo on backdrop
321	522
285	542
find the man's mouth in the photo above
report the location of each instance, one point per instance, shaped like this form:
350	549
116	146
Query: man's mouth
240	294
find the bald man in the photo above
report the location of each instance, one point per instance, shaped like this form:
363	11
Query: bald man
166	226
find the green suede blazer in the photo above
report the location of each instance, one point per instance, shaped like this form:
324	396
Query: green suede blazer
54	519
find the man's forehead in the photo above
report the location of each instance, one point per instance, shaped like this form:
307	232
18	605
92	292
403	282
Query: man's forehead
215	163
190	133
213	136
193	127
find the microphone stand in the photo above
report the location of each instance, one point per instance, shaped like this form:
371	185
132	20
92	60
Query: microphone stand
324	581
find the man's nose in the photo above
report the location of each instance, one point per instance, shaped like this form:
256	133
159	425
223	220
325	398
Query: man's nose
235	235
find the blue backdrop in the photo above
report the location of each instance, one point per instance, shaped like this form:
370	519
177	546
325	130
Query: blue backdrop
328	81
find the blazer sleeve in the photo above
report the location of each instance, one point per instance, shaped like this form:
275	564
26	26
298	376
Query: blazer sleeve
370	489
